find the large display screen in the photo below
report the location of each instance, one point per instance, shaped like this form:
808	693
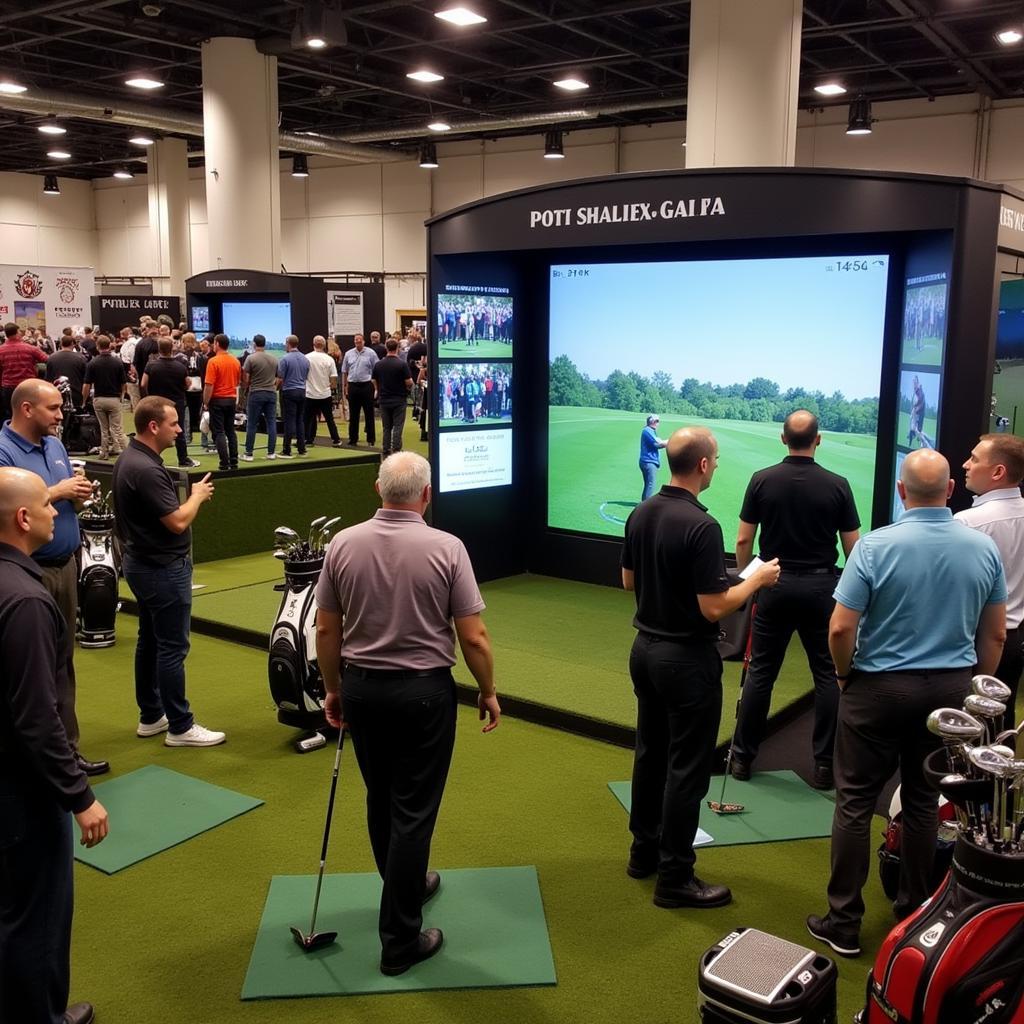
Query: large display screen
1008	379
243	320
733	345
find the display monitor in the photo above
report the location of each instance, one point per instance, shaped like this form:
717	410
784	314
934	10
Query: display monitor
474	325
733	345
200	319
241	321
1008	379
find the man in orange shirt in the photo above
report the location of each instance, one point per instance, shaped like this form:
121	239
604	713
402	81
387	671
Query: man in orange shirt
220	396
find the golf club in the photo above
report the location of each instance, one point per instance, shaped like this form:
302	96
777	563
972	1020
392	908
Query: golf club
955	727
314	939
313	527
989	686
719	806
987	709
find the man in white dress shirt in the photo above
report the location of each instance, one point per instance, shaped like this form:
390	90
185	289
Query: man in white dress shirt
320	387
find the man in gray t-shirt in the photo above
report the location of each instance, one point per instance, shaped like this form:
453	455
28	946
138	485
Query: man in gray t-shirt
259	378
399	587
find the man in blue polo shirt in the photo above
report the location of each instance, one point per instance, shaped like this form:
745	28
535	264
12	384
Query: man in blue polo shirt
292	371
28	441
895	666
650	459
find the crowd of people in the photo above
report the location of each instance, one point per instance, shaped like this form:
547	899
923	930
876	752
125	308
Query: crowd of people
471	392
474	318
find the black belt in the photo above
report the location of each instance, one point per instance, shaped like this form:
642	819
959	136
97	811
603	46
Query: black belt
394	673
820	571
53	563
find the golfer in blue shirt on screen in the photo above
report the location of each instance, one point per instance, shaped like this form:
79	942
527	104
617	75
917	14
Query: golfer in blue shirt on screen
650	460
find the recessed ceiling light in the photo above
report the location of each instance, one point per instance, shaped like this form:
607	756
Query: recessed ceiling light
58	154
142	140
460	16
52	128
1010	36
143	82
425	76
439	126
830	89
572	84
13	88
316	43
123	172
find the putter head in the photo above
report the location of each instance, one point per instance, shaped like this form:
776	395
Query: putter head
989	686
725	808
313	941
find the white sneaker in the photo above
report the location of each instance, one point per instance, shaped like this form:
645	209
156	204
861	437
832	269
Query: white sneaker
246	458
152	728
197	736
271	455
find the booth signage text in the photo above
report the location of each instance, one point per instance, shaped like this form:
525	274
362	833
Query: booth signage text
624	213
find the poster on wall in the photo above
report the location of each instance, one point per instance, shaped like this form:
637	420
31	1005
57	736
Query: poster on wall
46	298
345	312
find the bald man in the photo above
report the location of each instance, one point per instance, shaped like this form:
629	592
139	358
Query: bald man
41	784
29	441
674	561
321	386
800	508
895	666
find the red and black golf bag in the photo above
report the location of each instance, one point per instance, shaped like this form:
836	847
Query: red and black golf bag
959	959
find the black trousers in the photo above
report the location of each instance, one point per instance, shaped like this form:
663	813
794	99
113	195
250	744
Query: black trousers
36	901
678	691
194	403
181	441
403	730
392	423
1011	664
360	399
5	404
222	423
801	602
315	406
882	727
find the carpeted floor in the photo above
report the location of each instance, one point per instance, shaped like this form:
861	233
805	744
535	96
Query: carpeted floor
169	939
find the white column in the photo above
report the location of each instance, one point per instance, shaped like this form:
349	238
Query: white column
741	99
168	212
240	137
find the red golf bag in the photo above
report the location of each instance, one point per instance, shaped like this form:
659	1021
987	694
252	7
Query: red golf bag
959	959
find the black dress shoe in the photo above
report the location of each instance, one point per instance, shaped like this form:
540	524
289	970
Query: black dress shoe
79	1013
740	770
694	894
823	778
433	884
427	945
92	768
637	868
843	942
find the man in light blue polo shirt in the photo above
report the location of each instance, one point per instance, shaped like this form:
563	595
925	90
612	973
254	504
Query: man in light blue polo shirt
650	459
919	604
292	370
357	386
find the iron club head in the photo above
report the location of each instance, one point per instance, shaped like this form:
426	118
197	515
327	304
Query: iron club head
989	686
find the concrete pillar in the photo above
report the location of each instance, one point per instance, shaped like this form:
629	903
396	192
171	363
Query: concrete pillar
741	99
240	137
168	212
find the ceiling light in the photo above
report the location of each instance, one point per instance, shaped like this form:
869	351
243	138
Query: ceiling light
425	76
300	168
123	172
319	24
13	88
553	146
316	43
572	84
50	186
141	139
58	154
1008	37
461	16
439	126
52	128
143	82
428	156
859	120
830	89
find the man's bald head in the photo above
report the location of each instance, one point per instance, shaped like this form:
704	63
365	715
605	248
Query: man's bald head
35	391
26	515
925	478
800	430
687	447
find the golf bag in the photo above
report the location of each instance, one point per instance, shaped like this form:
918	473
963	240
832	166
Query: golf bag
751	977
80	432
892	842
959	959
97	583
295	681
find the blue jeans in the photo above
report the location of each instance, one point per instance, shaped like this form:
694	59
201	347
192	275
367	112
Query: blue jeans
650	472
293	405
261	403
164	597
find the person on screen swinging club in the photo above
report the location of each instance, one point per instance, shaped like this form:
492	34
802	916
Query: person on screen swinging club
650	459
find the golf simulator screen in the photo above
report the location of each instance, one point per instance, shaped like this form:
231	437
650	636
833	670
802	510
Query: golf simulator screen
733	345
243	320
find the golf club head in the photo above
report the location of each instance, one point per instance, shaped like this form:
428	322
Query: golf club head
284	535
1008	752
313	941
281	555
726	808
983	707
987	760
953	723
989	686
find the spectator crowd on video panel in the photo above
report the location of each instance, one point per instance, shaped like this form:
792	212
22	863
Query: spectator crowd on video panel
472	393
473	319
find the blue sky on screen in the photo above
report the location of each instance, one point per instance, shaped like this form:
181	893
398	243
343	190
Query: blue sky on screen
271	319
725	321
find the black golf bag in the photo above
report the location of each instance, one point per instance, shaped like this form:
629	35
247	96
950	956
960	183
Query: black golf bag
81	432
295	681
959	959
97	582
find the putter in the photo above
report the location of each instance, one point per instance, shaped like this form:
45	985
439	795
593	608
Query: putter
314	939
719	806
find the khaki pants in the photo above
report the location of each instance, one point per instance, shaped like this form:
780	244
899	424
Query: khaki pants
112	439
134	395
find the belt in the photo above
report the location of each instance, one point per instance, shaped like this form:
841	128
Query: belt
820	571
53	563
394	673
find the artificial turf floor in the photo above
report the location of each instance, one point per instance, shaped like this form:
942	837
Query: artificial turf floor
169	938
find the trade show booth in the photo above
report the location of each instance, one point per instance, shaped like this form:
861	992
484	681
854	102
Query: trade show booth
112	312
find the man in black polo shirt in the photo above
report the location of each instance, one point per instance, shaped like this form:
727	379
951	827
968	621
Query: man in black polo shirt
392	382
105	380
167	377
800	508
68	363
156	535
674	560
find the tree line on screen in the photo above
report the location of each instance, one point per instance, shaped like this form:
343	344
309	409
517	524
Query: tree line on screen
760	400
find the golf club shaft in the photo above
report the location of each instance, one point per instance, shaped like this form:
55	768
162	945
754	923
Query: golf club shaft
327	829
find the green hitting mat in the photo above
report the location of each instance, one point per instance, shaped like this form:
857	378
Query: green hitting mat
779	806
153	809
495	935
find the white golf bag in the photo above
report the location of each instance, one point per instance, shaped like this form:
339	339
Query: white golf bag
97	582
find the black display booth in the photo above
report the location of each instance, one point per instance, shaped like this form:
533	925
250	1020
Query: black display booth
935	238
112	312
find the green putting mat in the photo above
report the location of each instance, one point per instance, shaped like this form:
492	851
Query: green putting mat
153	809
779	806
495	935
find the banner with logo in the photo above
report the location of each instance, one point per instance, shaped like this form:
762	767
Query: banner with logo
47	298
